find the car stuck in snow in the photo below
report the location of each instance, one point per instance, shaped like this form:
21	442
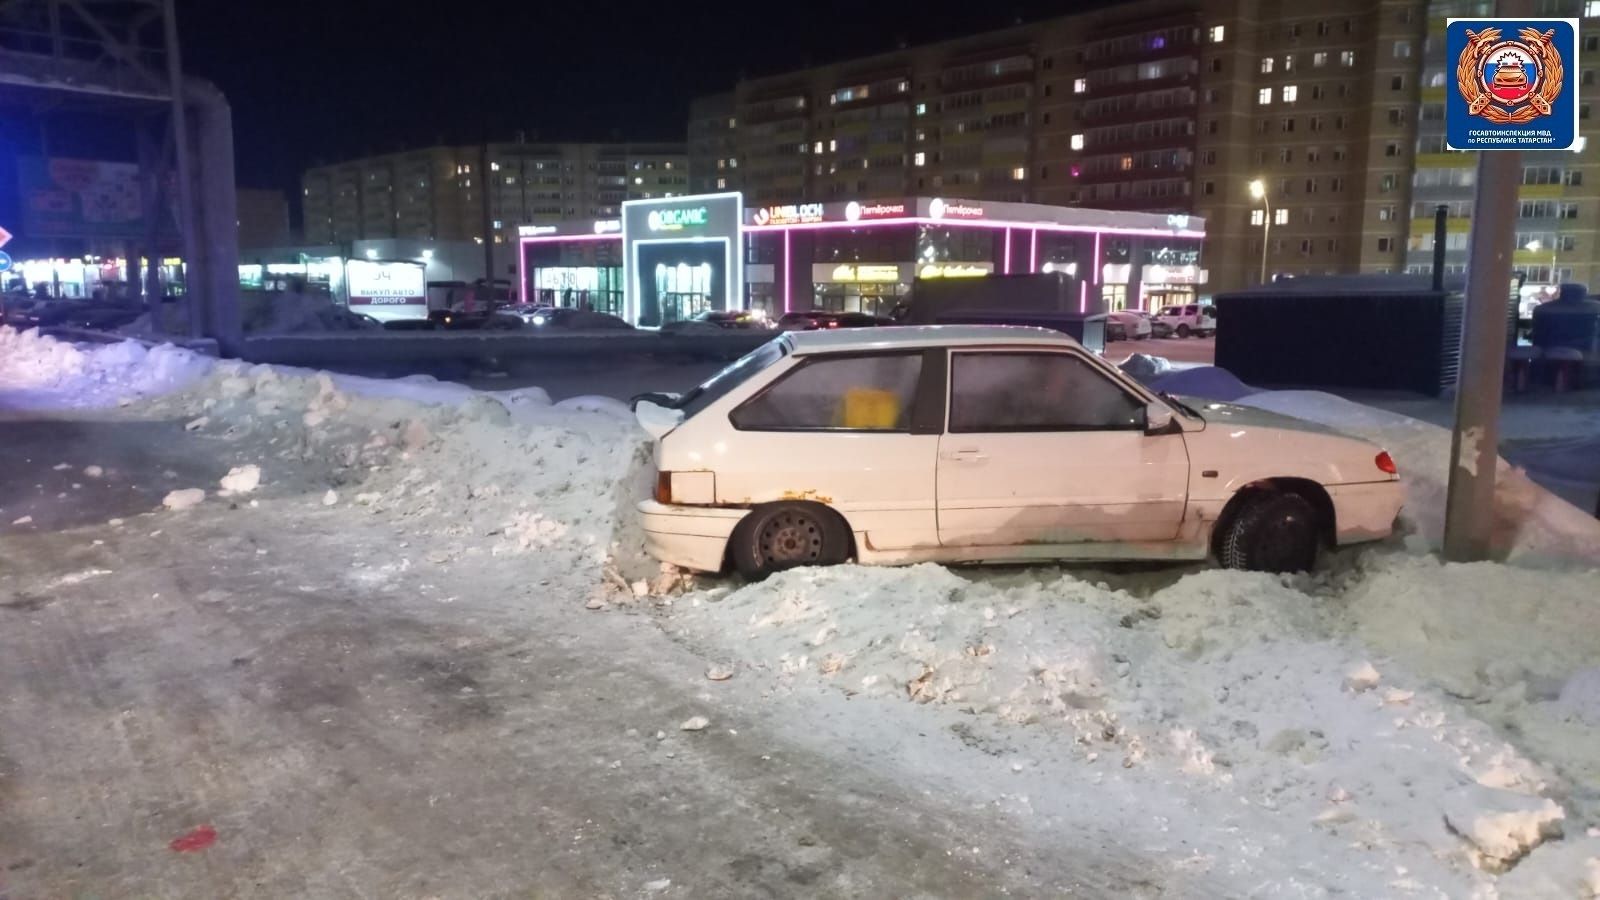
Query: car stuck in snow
984	444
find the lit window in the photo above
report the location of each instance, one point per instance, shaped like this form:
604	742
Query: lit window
733	163
638	180
1288	63
1402	49
817	147
922	109
668	164
1125	163
1257	217
1266	65
919	158
1019	174
497	223
1290	92
722	183
1347	58
1219	32
833	145
494	167
1319	59
1280	217
1077	142
1591	9
1264	96
1080	85
903	86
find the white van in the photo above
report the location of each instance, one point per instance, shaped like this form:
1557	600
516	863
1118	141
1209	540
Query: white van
1193	319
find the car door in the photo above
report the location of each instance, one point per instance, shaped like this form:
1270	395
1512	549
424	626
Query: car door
1042	447
858	431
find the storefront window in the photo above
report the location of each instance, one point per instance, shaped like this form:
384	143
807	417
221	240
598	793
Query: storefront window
763	248
1114	295
941	243
877	244
872	299
587	287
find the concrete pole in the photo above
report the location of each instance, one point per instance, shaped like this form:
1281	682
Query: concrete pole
1475	442
180	144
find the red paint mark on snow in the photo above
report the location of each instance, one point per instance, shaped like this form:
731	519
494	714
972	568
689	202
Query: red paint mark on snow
198	839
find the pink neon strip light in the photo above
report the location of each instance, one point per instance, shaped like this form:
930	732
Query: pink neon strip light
982	223
788	284
1006	270
1033	251
1096	273
548	238
1083	296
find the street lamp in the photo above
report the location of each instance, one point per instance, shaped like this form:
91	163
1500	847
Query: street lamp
1258	190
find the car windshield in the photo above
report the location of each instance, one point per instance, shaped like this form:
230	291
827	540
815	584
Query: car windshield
741	370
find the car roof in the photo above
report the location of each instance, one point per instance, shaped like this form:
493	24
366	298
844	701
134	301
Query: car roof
892	336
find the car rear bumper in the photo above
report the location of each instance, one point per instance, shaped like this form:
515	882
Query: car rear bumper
1366	512
691	537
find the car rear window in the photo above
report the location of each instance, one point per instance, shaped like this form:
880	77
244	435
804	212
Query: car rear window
736	373
852	393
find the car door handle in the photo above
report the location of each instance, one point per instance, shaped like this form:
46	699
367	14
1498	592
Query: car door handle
965	454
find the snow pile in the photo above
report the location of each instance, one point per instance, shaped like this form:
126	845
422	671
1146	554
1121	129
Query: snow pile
37	371
465	472
1205	382
1217	682
1531	524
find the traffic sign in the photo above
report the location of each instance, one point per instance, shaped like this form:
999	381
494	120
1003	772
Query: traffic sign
5	261
5	237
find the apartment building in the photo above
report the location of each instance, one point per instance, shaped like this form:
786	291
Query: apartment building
1299	132
713	128
439	193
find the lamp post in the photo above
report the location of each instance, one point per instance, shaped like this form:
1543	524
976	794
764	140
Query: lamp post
1258	190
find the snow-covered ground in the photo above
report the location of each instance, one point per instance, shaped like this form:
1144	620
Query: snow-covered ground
1390	726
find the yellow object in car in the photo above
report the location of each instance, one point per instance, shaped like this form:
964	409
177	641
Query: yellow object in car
868	409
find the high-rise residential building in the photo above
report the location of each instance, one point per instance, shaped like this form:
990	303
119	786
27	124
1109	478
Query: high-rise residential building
713	127
1310	139
437	193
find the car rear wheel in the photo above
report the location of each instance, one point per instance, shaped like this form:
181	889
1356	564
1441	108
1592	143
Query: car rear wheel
781	536
1273	532
1183	331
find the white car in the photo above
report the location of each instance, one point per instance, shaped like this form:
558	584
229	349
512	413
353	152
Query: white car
1193	318
975	443
1126	325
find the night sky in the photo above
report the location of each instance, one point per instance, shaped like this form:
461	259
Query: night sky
321	80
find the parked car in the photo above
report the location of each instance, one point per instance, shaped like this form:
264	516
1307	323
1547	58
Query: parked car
1192	319
813	319
1127	325
566	317
964	444
720	318
475	320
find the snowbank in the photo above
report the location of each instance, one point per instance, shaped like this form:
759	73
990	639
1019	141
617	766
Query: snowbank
1532	525
41	372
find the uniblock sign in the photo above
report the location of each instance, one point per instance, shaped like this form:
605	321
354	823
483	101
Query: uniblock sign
1515	84
387	290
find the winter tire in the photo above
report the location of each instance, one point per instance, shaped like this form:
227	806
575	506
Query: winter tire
782	536
1273	532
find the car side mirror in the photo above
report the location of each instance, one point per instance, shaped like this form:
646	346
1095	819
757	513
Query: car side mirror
1157	418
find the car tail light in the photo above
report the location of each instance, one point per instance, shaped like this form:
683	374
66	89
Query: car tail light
1386	463
663	487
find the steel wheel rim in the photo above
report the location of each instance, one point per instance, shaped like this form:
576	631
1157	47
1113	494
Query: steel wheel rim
790	538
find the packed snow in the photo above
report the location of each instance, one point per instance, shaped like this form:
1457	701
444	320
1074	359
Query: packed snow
1391	725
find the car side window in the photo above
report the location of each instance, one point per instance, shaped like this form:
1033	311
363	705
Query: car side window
998	392
1190	310
840	393
1168	311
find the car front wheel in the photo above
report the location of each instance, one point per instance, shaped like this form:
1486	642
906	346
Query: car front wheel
780	536
1273	532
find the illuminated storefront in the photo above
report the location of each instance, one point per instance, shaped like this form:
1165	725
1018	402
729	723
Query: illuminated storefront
675	257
